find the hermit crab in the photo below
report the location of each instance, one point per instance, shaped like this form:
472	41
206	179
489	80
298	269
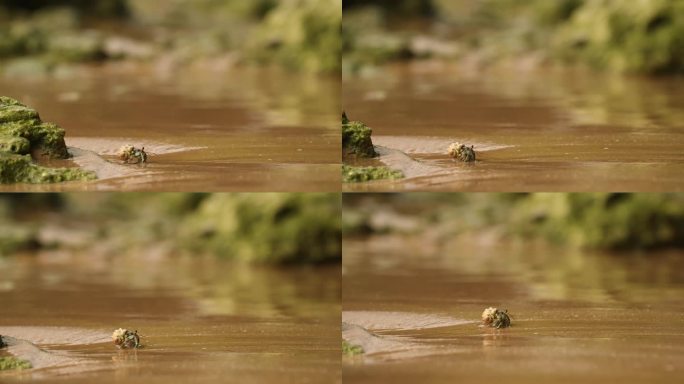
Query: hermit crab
125	339
496	318
462	152
132	155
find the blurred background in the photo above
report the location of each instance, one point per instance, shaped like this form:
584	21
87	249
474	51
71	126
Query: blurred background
268	228
300	34
216	284
566	95
208	87
593	282
617	35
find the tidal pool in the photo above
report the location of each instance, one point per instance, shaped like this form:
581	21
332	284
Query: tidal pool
205	129
533	130
414	303
202	320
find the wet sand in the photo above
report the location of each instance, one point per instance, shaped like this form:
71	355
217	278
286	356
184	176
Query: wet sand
414	304
543	130
241	129
200	319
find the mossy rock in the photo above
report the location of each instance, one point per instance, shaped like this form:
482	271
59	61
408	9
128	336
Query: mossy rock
356	138
23	134
274	228
14	144
362	174
16	168
18	120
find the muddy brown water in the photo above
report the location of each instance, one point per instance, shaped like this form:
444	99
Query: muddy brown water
414	304
533	130
202	320
235	129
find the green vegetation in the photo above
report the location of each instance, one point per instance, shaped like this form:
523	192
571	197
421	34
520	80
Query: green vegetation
349	349
602	220
614	221
361	174
263	228
301	34
625	36
356	138
356	142
270	228
38	37
9	362
23	134
615	35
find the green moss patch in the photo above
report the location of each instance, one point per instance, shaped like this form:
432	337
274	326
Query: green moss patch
356	138
349	349
9	363
21	169
361	174
268	228
23	134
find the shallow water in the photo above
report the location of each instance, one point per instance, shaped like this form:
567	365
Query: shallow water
201	319
533	130
414	303
236	129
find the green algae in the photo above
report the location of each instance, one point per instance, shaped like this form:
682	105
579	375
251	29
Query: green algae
349	349
14	144
23	134
356	138
11	363
362	174
18	120
21	169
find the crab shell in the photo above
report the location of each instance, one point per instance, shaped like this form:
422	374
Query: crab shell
488	315
461	152
125	152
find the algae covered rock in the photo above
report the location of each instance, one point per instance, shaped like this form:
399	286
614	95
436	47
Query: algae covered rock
19	121
356	138
267	227
22	135
362	174
21	169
